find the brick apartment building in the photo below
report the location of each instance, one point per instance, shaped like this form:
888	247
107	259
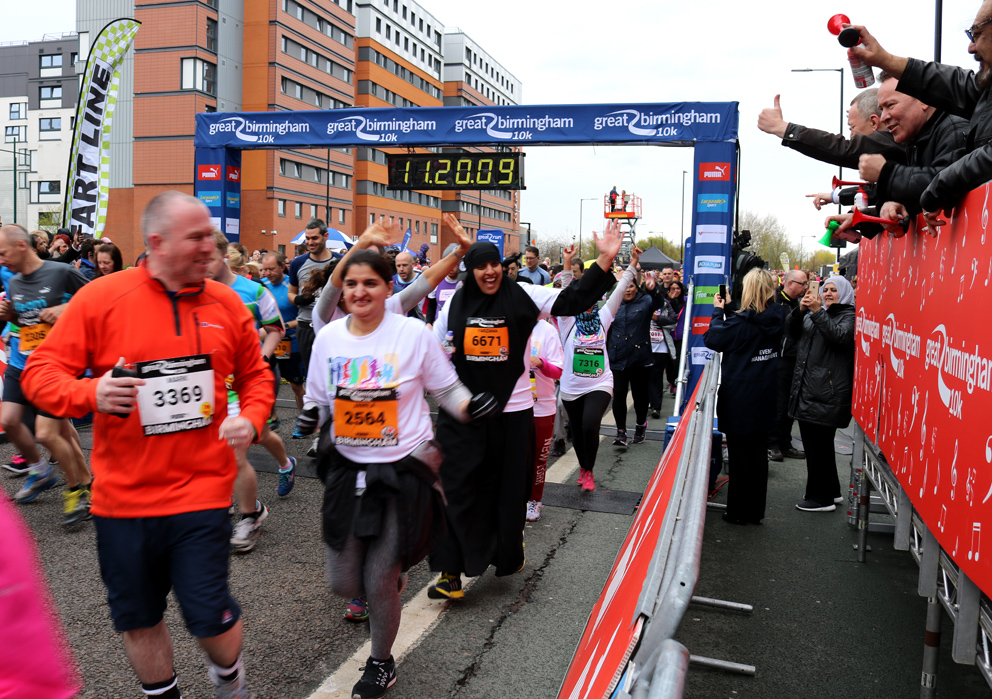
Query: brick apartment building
193	56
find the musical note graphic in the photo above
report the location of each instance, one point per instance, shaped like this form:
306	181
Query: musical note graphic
969	489
974	272
985	213
926	470
988	460
976	540
955	551
943	518
916	405
961	289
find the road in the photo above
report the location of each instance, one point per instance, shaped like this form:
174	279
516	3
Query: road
823	626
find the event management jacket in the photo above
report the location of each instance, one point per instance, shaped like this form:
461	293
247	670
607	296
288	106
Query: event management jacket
955	90
130	315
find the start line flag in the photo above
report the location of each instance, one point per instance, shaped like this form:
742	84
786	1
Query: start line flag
88	181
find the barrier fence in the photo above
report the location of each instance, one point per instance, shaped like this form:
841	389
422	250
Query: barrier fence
668	527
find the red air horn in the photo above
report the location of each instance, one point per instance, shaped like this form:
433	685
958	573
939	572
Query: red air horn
870	226
860	199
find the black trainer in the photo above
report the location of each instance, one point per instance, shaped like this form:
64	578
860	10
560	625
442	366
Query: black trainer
774	455
378	676
793	453
639	432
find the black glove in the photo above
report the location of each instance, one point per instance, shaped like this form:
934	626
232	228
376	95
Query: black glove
303	300
482	405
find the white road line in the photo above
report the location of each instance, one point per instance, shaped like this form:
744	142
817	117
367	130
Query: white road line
421	614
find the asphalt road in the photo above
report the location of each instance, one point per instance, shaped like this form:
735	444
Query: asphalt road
824	626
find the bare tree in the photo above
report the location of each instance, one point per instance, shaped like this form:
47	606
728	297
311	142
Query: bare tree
551	245
768	238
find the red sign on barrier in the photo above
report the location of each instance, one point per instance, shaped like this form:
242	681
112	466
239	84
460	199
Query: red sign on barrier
613	629
923	374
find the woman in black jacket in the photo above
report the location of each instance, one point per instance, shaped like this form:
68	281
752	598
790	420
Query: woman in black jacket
822	385
629	347
750	340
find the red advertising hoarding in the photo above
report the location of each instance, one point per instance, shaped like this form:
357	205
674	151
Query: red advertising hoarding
923	374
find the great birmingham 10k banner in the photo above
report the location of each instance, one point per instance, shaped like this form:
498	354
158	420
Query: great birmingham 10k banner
677	123
88	181
923	374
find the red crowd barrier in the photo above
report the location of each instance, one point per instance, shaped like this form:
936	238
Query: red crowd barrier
923	374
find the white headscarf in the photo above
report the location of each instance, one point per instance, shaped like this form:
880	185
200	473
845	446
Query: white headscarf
845	292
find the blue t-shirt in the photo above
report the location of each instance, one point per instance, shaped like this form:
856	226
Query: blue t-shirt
287	309
538	276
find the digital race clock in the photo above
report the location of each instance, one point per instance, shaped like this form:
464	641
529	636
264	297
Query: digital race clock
456	171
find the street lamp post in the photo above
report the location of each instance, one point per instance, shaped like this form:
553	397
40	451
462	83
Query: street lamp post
840	169
580	222
682	229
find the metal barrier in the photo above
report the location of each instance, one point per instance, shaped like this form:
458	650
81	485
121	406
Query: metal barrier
941	581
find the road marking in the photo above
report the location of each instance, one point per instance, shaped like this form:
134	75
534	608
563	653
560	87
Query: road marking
421	614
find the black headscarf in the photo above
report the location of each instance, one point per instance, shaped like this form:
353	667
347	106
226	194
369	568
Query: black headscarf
510	303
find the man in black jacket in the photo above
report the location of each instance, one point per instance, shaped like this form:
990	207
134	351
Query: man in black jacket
933	138
867	134
961	92
793	288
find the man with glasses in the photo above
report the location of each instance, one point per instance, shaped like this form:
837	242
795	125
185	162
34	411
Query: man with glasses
532	271
780	436
958	91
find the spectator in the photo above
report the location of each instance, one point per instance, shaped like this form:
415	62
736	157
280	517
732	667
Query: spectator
822	385
868	134
958	91
59	245
780	439
667	275
40	239
511	266
532	270
423	258
109	259
662	350
629	346
750	340
676	298
613	199
86	263
578	266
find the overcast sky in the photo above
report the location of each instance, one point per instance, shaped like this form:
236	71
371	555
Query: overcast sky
643	51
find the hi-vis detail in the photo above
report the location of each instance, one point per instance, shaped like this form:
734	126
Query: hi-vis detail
88	181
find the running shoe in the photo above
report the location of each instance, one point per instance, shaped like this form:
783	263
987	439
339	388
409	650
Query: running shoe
35	485
312	451
448	586
358	609
589	484
559	448
621	439
248	528
814	506
582	476
75	506
534	510
287	479
377	677
639	432
274	424
233	689
18	465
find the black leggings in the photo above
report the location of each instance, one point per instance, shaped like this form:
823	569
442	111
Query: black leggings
585	415
638	379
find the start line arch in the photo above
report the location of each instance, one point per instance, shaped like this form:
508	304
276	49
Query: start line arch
711	128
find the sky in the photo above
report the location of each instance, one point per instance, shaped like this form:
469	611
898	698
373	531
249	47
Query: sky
645	51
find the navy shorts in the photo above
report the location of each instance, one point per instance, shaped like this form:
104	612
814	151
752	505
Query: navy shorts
291	369
141	559
12	392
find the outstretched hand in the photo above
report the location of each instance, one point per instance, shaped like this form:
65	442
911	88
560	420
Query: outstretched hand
381	235
464	242
609	245
635	257
820	200
934	221
771	121
566	256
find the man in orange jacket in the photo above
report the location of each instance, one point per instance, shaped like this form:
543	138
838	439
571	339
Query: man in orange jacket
162	462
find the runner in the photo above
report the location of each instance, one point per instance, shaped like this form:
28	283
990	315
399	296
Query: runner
38	294
444	291
546	362
288	364
264	311
586	381
165	470
382	509
300	269
486	465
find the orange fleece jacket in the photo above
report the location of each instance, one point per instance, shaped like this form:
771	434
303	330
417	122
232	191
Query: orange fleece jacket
129	314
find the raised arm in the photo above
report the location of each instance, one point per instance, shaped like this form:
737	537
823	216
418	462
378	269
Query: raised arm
374	235
435	274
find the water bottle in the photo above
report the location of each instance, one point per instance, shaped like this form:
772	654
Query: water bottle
849	38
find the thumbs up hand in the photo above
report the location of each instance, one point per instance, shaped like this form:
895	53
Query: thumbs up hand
770	120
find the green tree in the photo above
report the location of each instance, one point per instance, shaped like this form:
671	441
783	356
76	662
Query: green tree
769	239
659	241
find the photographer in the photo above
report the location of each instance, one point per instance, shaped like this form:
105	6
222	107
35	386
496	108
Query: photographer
822	385
750	340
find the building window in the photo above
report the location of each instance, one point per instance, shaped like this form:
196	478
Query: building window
50	187
298	207
340	216
200	75
371	219
281	206
50	93
211	35
18	110
13	134
434	233
53	124
378	25
51	61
